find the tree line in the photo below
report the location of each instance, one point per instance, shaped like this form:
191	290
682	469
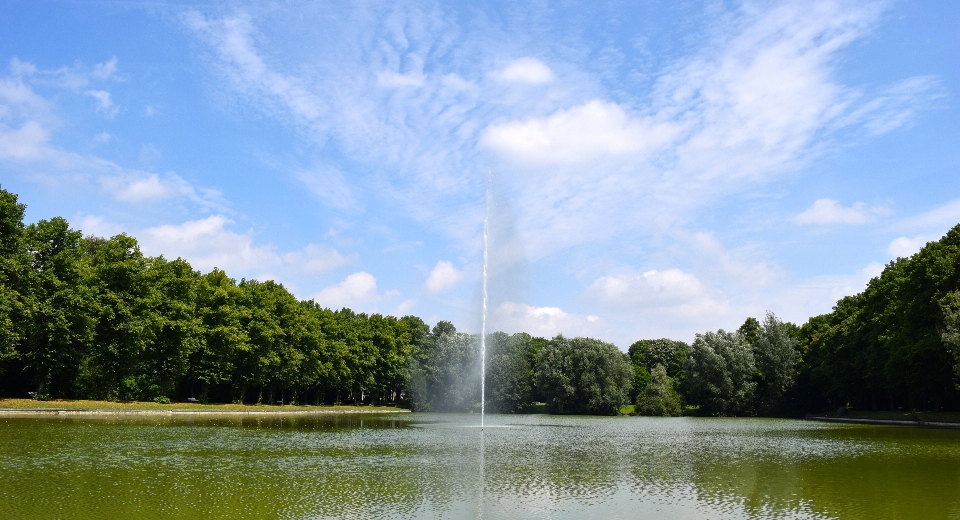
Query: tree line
90	317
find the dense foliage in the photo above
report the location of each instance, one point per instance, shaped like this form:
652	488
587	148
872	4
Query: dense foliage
90	317
894	344
583	376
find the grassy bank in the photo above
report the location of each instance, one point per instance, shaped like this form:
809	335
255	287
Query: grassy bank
21	404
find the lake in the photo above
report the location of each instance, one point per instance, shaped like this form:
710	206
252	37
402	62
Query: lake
444	466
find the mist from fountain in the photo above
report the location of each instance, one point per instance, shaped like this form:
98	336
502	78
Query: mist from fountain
483	322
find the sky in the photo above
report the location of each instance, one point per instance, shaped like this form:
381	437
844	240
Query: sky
643	169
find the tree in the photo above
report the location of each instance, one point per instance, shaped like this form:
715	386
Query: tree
776	356
750	330
14	268
720	370
62	310
583	376
659	398
224	338
179	333
951	330
648	353
125	322
509	372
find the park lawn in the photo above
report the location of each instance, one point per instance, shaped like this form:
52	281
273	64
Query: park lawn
150	405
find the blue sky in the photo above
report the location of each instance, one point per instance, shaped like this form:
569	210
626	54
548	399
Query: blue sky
656	168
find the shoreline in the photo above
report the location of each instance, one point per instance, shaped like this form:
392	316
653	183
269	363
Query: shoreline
888	422
75	411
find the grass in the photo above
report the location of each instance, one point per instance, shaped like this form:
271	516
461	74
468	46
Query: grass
627	409
150	405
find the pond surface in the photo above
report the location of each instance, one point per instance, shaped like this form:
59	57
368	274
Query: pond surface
443	466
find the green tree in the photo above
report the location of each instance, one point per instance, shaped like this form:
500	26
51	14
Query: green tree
720	370
509	372
776	355
14	269
178	326
583	376
750	330
950	334
62	313
224	338
648	353
125	324
659	398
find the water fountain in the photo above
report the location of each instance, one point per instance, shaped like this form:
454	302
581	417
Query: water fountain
483	321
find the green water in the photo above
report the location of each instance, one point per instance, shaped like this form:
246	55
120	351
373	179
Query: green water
441	466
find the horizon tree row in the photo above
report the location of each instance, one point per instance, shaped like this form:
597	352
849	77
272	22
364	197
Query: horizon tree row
89	317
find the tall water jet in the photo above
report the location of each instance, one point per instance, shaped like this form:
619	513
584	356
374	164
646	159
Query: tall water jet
483	320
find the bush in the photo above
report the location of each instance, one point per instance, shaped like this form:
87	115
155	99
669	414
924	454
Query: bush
161	399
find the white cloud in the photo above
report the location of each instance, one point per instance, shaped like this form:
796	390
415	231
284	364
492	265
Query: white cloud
206	244
526	70
231	37
330	185
589	131
144	189
315	258
105	70
444	276
25	143
357	289
935	221
105	103
829	211
149	111
135	187
652	288
95	225
403	308
905	246
103	137
513	317
395	80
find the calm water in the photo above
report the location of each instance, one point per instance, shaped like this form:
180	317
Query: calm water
440	466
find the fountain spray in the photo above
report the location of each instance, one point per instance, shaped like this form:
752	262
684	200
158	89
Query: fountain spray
483	322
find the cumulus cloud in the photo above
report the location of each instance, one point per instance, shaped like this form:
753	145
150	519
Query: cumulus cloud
906	246
829	211
513	317
443	277
208	243
526	70
135	187
594	129
356	289
96	225
652	288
